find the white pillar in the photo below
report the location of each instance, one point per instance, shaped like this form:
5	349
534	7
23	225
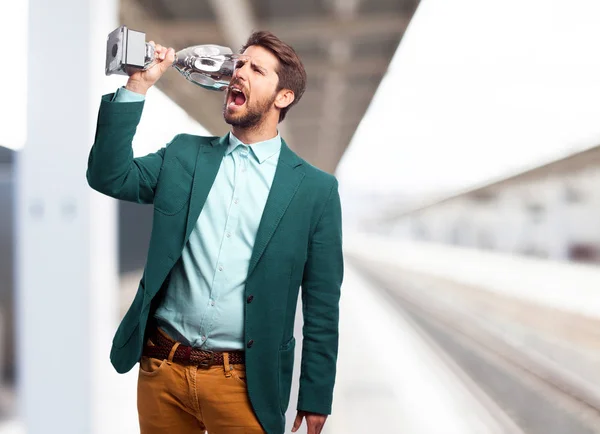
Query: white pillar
67	282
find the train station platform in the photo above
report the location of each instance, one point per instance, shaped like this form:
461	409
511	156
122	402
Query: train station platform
444	340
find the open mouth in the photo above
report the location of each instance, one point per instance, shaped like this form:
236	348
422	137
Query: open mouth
236	98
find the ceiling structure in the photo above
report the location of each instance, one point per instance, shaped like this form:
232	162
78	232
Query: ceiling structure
345	45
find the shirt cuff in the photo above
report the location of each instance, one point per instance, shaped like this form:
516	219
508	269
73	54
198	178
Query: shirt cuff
125	95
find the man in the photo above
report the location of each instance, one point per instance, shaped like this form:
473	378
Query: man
240	223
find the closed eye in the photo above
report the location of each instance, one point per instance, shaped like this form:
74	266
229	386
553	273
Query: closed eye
241	62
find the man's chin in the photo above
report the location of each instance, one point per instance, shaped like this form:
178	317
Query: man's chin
231	120
231	117
242	119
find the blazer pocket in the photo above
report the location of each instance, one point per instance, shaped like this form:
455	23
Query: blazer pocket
286	369
173	188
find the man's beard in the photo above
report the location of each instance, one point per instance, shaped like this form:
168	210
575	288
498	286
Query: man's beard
253	115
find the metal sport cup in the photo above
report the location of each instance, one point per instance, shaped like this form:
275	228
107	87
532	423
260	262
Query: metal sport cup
209	66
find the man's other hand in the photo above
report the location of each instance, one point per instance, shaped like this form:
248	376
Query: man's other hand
314	422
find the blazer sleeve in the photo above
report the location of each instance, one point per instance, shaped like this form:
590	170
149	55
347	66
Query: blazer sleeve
321	285
111	169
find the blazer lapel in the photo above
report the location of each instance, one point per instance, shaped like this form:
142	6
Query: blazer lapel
288	177
207	166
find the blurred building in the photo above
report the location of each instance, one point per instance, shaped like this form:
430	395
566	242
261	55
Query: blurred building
550	211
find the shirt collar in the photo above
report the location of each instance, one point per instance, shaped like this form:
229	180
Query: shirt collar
262	151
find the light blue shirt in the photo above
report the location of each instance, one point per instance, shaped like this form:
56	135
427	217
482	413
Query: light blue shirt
204	302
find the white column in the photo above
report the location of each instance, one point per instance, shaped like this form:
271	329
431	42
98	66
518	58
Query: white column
67	282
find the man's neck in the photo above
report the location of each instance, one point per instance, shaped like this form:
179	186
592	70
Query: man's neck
250	136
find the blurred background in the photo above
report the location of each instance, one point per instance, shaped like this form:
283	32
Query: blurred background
465	135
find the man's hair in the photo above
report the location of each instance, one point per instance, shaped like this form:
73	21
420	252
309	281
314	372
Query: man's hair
291	72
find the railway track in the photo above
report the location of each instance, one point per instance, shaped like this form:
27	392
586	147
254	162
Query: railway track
523	390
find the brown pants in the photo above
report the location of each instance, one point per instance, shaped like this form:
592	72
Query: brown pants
177	399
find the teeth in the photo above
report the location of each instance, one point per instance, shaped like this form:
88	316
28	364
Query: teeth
234	92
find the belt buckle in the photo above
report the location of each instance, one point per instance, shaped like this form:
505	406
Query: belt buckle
207	362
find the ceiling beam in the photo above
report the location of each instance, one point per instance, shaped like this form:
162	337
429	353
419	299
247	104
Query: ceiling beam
355	67
360	91
310	122
297	30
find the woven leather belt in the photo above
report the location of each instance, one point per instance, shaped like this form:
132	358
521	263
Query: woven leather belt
186	355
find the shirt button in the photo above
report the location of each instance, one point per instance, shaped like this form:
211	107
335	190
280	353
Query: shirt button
236	201
228	234
250	343
220	268
212	302
203	337
250	298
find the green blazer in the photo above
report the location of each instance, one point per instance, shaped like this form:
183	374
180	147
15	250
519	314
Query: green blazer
298	244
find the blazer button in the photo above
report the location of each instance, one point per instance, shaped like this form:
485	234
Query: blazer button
250	298
250	343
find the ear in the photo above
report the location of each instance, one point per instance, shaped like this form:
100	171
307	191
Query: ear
284	98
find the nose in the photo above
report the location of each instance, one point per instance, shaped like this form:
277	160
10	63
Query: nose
240	74
240	71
